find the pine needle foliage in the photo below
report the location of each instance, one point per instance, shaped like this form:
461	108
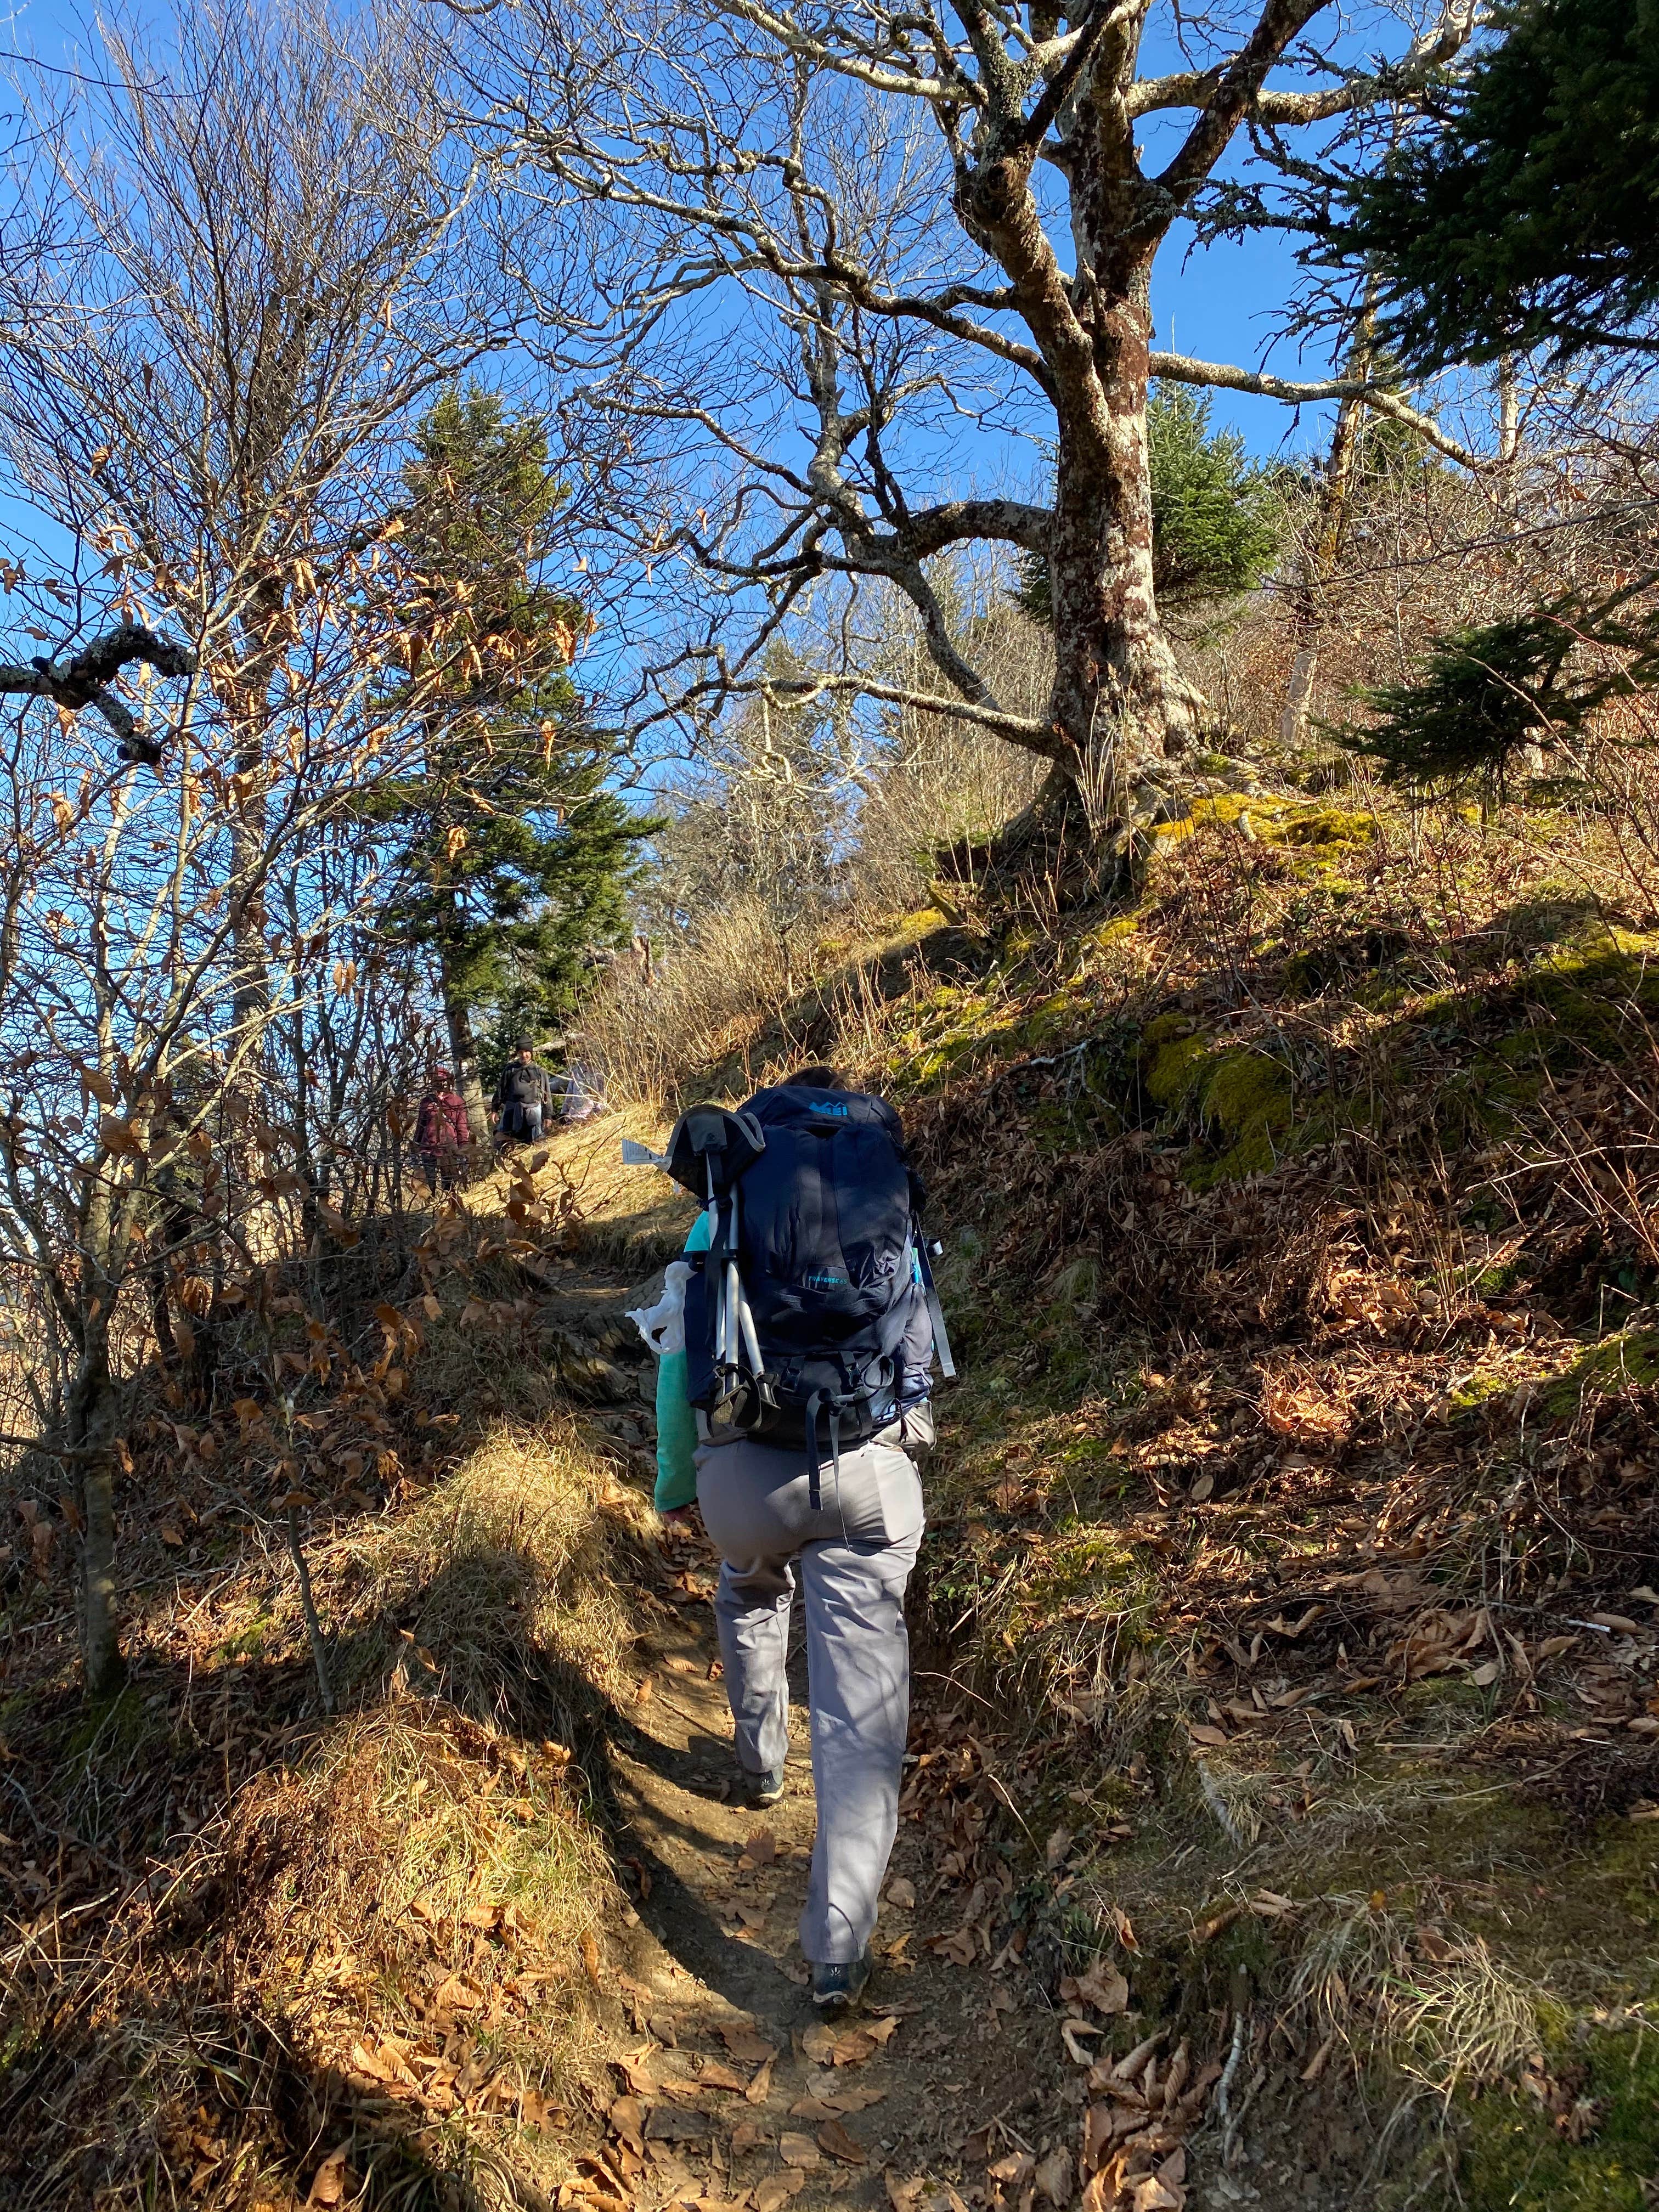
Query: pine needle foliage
514	853
1484	691
1217	521
1525	217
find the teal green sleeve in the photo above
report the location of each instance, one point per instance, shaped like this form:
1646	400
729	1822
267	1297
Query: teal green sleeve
676	1425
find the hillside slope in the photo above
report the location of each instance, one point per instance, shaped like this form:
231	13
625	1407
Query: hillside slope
1293	1546
1281	1825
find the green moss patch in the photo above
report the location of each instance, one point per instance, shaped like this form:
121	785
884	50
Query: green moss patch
1329	825
1629	1361
1602	2088
1239	1101
1276	821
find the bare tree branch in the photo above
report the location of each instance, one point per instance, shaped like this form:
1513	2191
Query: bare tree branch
1221	376
84	680
860	188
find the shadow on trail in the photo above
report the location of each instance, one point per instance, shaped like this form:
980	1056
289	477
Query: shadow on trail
132	1808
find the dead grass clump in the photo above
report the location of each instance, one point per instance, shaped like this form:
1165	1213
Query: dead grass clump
421	1905
503	1584
1449	2013
712	994
279	1935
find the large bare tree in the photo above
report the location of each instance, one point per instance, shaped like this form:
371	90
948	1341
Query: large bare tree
842	250
258	252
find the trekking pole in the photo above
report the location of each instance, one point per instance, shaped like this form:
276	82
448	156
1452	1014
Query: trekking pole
740	1303
720	1334
925	1250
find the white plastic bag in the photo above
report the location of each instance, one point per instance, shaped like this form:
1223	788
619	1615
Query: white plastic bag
663	1325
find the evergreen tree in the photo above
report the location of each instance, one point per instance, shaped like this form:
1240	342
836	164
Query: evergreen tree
1527	216
1483	692
514	857
1217	523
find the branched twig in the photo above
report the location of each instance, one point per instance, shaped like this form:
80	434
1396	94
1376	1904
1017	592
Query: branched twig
84	680
313	1627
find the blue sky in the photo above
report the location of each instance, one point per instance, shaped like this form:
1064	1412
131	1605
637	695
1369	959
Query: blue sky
1216	303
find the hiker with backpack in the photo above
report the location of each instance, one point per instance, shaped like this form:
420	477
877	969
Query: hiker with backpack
797	1341
523	1100
443	1137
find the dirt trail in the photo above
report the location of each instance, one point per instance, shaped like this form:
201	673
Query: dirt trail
883	2105
954	2088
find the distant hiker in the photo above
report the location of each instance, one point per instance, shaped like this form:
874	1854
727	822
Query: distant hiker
524	1098
582	1095
797	1341
442	1137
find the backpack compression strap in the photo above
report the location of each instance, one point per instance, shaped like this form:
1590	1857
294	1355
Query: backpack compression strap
947	1365
814	1406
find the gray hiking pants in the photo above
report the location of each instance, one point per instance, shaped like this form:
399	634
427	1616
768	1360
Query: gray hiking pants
854	1556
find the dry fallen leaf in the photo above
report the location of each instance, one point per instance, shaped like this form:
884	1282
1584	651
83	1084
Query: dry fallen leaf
901	1895
775	2192
457	1993
626	2118
903	2195
798	2150
855	2097
1102	1986
836	2139
1125	1927
711	2075
1058	1844
761	2087
1013	2171
818	2042
1054	2177
960	1947
1316	2065
591	1956
744	2044
761	1847
328	2183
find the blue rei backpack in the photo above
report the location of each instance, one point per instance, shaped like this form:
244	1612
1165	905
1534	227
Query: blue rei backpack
811	1318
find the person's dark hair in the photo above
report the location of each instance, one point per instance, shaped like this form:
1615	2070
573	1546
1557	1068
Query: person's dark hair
817	1078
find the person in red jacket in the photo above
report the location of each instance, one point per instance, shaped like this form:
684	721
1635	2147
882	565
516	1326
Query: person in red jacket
443	1137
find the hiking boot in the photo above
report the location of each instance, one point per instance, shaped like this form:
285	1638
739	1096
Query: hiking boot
763	1789
839	1988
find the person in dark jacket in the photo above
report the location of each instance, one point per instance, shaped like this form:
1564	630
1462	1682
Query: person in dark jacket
443	1139
524	1098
